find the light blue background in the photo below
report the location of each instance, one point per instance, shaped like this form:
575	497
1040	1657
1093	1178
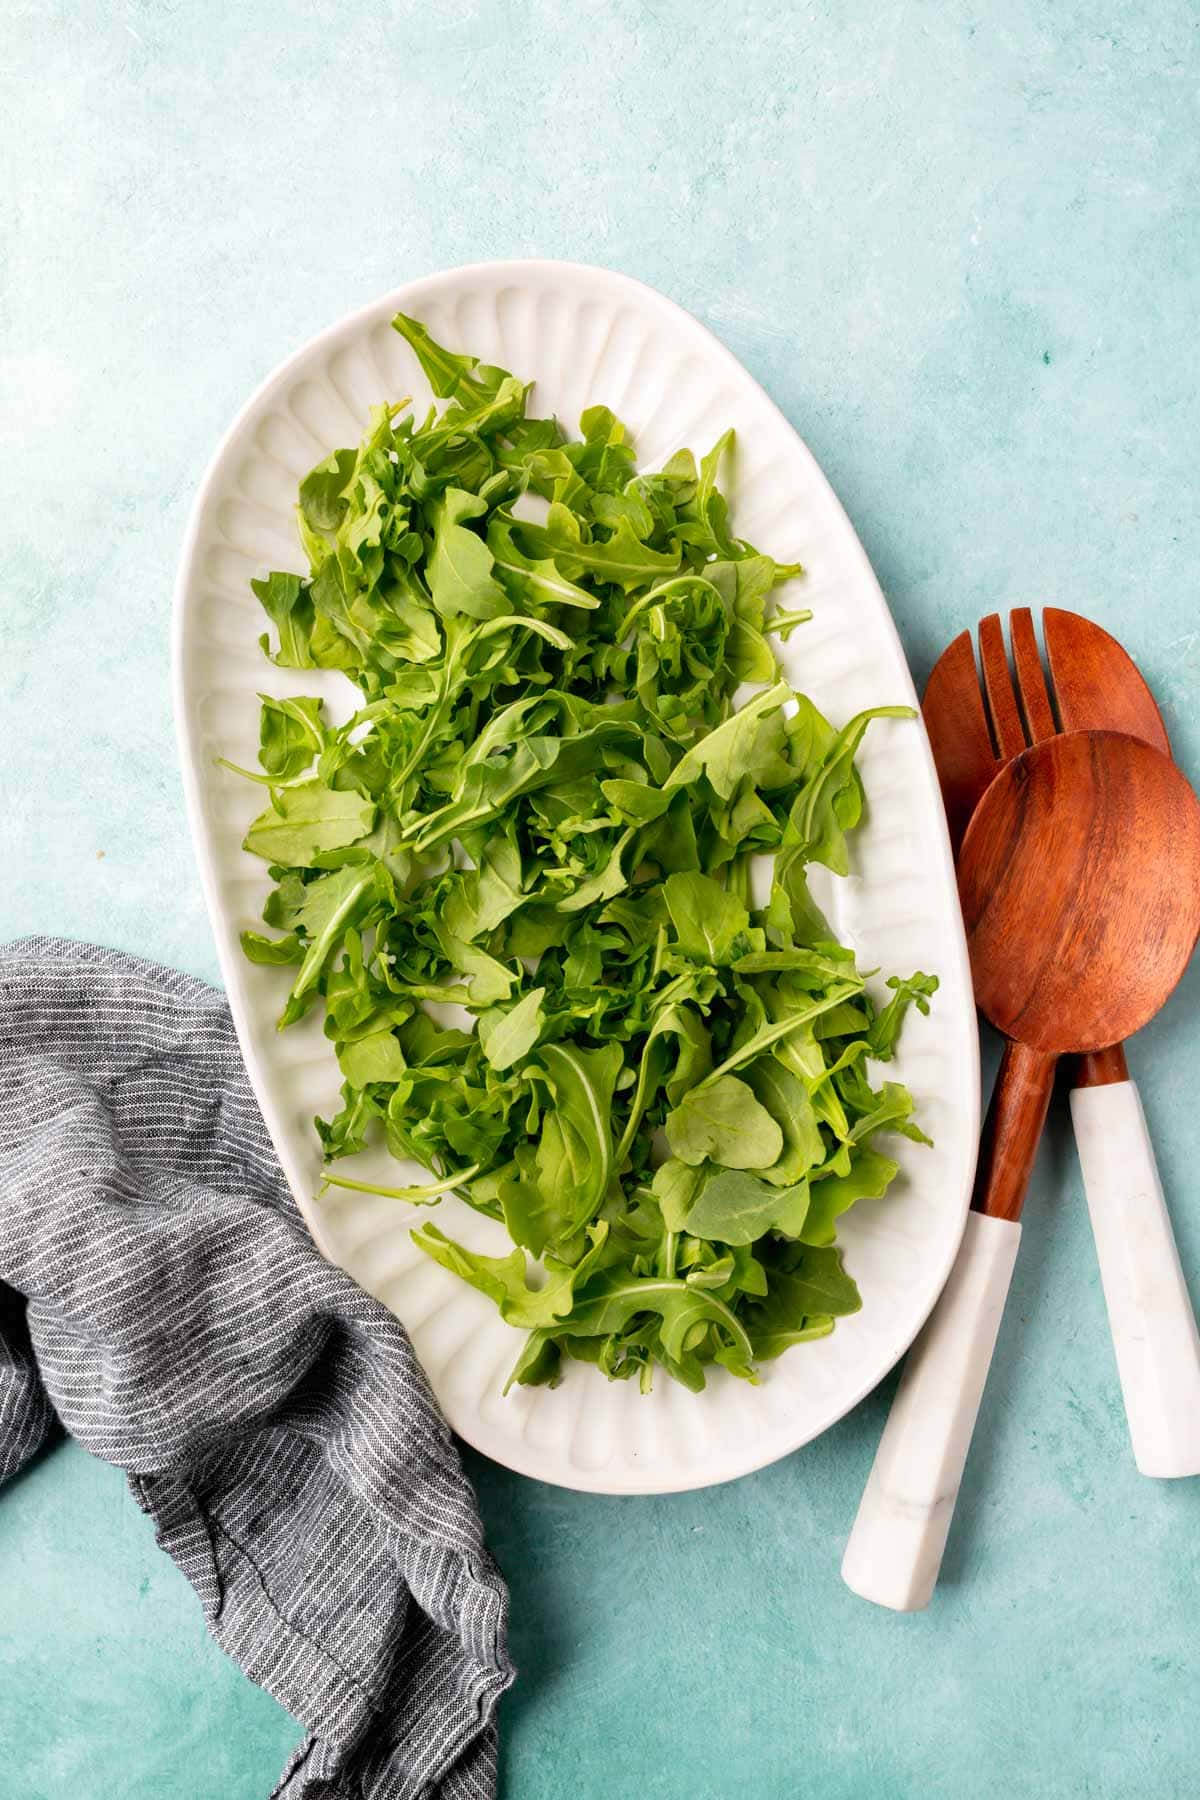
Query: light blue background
960	246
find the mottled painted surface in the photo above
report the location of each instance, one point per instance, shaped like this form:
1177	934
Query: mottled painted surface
960	246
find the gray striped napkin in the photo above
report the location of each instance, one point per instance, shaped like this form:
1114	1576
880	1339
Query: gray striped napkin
160	1295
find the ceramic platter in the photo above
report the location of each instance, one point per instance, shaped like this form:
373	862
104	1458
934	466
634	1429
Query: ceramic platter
586	336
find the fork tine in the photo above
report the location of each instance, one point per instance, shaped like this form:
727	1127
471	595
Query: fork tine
1031	677
959	734
1002	702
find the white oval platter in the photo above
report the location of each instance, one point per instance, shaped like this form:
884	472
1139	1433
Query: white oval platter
586	335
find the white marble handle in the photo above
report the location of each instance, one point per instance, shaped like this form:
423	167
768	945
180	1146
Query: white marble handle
1153	1326
895	1549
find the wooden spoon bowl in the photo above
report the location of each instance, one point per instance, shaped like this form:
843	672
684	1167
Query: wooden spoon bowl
1080	887
1079	877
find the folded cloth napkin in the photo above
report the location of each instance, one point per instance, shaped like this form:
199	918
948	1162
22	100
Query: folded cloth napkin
164	1300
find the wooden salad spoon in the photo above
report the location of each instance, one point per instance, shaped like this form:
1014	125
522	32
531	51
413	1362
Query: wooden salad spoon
1079	876
975	726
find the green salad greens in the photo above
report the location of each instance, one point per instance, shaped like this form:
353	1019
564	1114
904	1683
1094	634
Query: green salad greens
547	810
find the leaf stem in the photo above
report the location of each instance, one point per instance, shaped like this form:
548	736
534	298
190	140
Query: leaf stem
771	1034
423	1194
784	623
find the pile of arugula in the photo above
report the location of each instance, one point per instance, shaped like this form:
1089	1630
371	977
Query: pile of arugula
545	811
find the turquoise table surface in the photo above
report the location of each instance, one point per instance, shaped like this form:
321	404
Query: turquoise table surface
960	245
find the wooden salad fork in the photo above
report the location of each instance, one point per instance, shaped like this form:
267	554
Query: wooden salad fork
976	726
1079	876
1093	684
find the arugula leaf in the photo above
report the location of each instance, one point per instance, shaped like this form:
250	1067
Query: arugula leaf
916	990
782	624
562	1185
528	579
830	802
331	906
736	1207
621	558
461	578
290	735
548	806
727	754
538	1365
790	1105
806	1291
693	1059
721	1119
273	952
288	604
375	1057
869	1177
451	377
308	821
707	920
608	1303
504	1279
675	1186
323	489
633	800
508	1034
